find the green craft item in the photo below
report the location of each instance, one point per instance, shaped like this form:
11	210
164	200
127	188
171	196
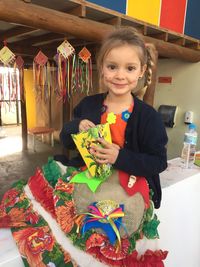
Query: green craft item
150	228
51	171
85	178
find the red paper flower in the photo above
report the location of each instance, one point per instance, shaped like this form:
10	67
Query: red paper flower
10	198
31	216
111	252
96	240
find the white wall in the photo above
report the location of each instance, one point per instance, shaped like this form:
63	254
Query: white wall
184	92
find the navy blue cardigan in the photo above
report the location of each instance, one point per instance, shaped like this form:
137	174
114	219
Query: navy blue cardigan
144	151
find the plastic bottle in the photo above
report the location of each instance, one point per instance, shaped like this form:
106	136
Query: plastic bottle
189	146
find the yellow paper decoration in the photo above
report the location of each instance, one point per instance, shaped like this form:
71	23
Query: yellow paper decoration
6	55
84	140
66	49
111	118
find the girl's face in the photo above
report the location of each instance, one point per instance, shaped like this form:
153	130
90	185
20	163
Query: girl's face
122	69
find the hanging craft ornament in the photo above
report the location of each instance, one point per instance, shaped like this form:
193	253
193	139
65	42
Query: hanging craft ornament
9	79
84	70
41	59
84	54
7	57
19	62
66	59
42	75
66	49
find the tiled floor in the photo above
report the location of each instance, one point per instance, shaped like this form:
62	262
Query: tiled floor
15	164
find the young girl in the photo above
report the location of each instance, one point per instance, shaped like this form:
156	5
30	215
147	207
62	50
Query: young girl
138	135
115	225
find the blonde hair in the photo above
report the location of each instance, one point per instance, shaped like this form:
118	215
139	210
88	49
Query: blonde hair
122	36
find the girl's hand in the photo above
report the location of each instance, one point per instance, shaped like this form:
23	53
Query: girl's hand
84	125
106	154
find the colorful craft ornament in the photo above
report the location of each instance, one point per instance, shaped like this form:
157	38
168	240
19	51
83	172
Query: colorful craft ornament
19	62
7	56
9	87
84	70
105	214
42	76
84	54
65	49
66	67
74	72
41	59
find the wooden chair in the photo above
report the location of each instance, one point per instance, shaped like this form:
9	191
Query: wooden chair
41	131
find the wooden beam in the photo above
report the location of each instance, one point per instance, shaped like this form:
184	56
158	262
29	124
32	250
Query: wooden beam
52	20
116	21
161	36
15	32
79	11
169	50
179	41
56	21
193	45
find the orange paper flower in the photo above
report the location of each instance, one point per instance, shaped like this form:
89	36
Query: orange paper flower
65	216
32	242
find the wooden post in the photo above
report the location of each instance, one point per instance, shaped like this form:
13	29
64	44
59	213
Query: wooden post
23	113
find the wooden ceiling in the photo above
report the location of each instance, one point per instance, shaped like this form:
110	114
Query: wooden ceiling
30	25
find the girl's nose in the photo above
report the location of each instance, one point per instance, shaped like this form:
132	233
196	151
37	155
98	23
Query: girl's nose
120	74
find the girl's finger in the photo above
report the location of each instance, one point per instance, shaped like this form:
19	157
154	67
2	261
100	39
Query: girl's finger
102	161
99	149
98	154
91	124
104	143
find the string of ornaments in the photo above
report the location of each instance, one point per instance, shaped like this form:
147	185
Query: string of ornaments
74	71
71	74
42	79
10	83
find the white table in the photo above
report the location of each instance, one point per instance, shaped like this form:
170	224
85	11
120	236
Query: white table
179	215
9	254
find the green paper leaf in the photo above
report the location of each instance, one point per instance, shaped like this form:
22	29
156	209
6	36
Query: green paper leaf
19	184
23	204
81	178
132	244
150	228
63	195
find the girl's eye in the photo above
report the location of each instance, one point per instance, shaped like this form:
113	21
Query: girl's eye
111	67
131	68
